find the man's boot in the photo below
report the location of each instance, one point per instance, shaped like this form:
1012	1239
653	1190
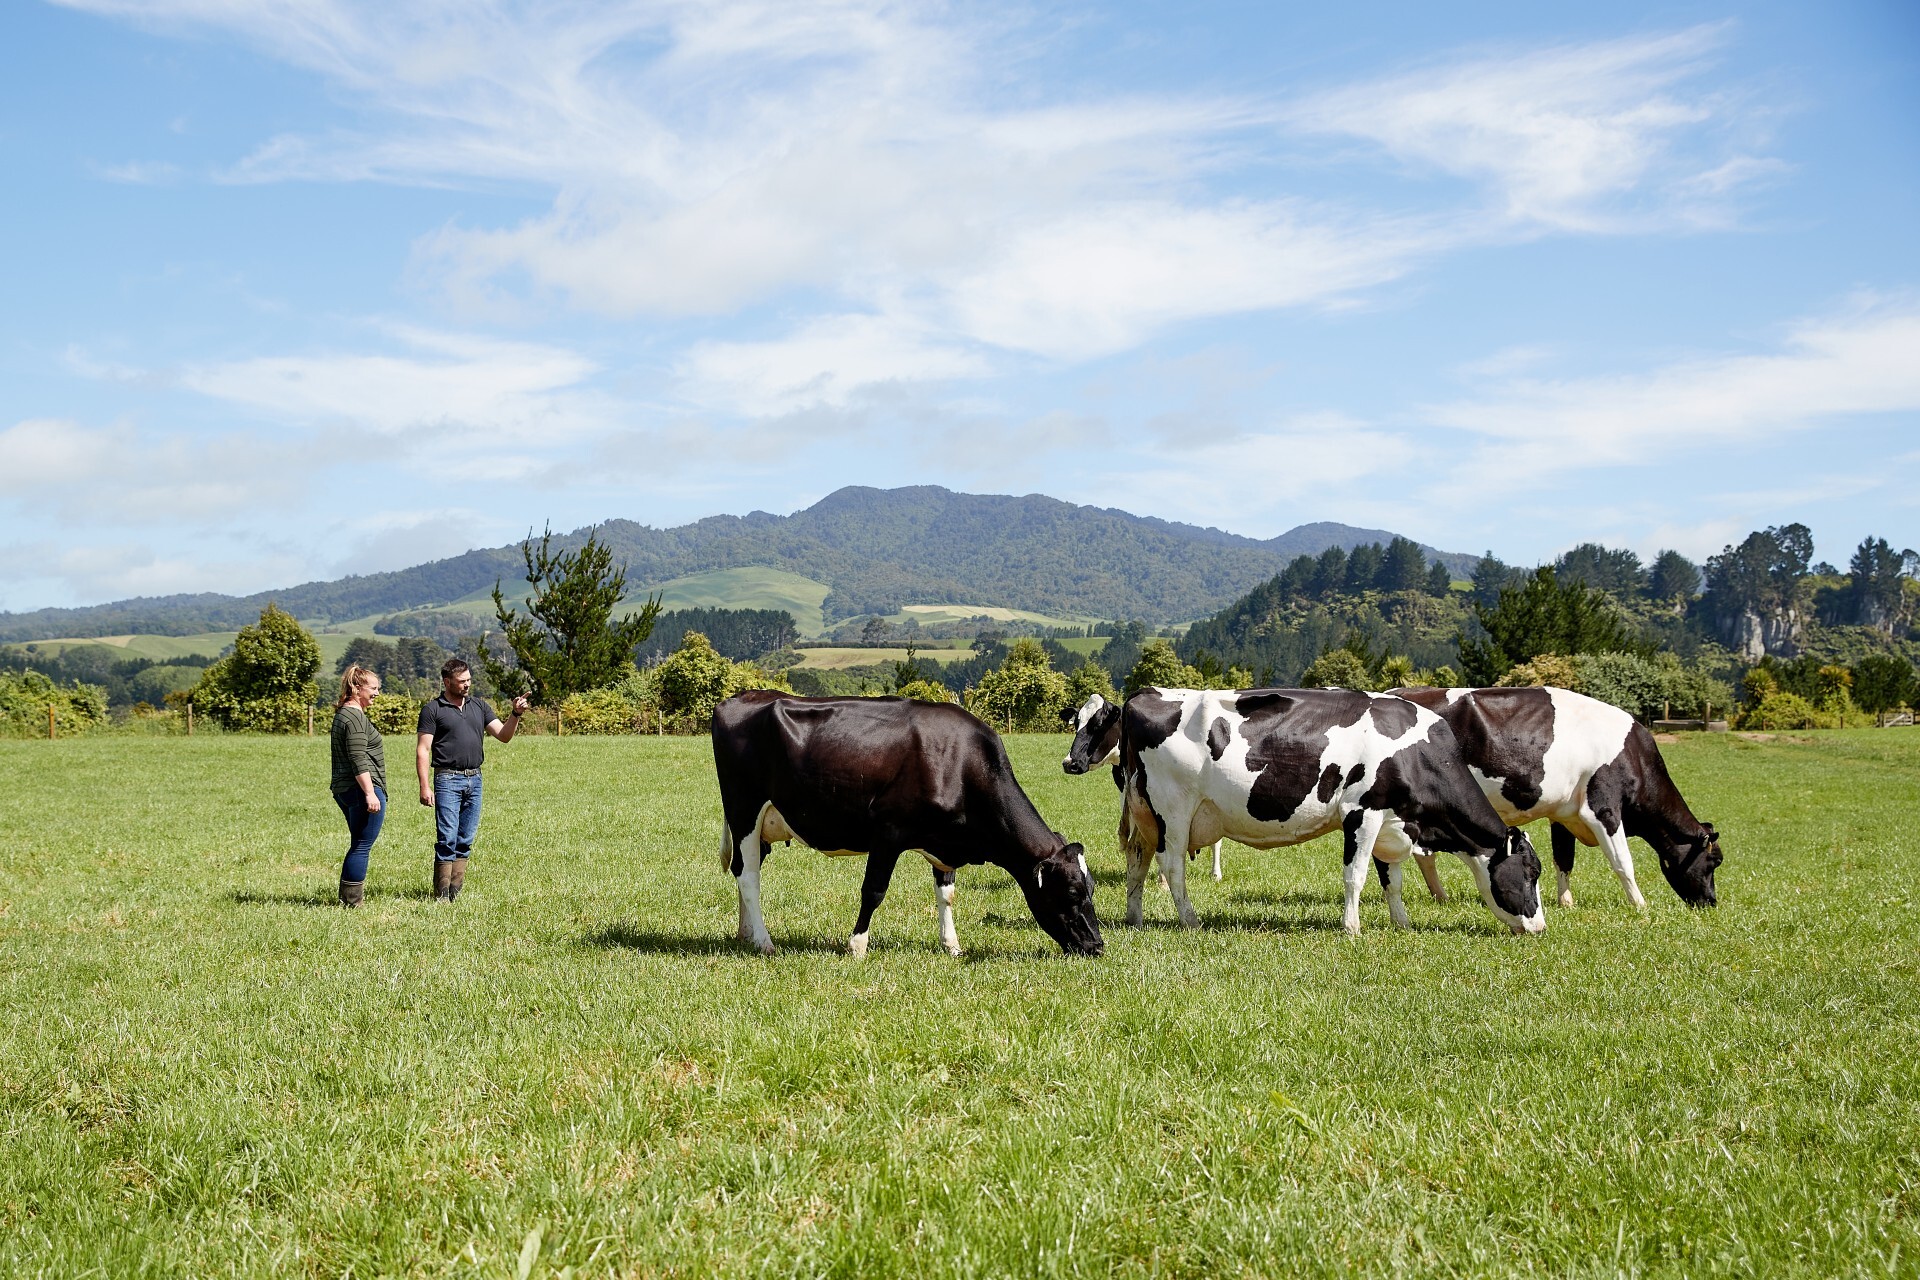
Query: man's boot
442	876
352	892
457	879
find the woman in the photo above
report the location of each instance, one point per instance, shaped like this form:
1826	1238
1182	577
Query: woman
359	777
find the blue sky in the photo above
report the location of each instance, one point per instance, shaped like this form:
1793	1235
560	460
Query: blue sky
301	288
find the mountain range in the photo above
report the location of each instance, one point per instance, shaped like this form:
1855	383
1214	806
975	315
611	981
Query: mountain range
875	550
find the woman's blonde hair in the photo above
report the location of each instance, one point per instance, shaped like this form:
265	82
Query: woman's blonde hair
351	679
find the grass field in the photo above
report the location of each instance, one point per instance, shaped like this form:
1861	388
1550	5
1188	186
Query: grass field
838	658
749	587
208	1070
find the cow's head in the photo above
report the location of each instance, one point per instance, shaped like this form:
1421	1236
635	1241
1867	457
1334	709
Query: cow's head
1689	866
1096	733
1061	898
1513	884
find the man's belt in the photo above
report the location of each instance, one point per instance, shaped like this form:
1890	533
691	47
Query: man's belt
464	773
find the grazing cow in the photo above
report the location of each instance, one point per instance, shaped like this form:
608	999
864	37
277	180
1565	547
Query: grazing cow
1272	767
880	776
1590	768
1096	740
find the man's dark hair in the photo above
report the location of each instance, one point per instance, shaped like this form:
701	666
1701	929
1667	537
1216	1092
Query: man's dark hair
453	667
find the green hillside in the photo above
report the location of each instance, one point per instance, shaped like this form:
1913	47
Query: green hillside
874	551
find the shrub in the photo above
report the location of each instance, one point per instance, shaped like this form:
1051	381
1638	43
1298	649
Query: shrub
600	711
1337	669
1025	695
26	698
928	691
1786	711
1624	680
394	713
266	684
1160	667
1544	669
695	678
1086	680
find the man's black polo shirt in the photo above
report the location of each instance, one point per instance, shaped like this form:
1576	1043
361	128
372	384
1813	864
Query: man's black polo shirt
459	733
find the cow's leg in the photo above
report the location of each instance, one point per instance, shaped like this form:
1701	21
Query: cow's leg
1620	858
1216	860
1173	865
943	909
1390	873
1362	828
1431	874
752	851
1138	860
873	891
1563	850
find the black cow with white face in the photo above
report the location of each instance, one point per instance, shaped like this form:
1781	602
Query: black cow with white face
880	776
1590	768
1273	767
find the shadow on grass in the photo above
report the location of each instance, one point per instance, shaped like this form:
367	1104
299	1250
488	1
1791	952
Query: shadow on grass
1218	921
627	937
323	897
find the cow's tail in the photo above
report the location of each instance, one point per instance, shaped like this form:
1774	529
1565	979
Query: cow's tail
726	847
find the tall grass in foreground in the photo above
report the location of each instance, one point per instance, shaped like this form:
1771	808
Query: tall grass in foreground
207	1069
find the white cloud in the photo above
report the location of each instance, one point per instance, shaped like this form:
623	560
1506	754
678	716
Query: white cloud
147	173
825	362
1829	369
119	475
706	157
1563	135
509	391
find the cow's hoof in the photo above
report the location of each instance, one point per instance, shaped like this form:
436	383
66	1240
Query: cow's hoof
1135	920
1441	897
1566	899
1189	922
857	946
955	952
1353	930
764	948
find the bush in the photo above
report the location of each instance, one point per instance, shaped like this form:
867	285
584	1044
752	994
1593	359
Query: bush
266	684
26	698
1160	667
928	691
1336	669
1086	680
394	713
1624	680
1025	695
1786	711
1543	669
695	678
601	711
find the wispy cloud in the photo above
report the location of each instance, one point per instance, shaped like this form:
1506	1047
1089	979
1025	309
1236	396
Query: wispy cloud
1603	136
859	159
68	469
1859	362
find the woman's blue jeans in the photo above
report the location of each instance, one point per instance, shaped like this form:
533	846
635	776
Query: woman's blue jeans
363	828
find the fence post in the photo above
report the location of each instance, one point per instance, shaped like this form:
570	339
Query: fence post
189	719
50	733
309	722
559	722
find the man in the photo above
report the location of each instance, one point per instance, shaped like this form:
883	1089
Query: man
448	758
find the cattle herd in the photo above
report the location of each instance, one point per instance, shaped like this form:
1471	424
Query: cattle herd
1413	772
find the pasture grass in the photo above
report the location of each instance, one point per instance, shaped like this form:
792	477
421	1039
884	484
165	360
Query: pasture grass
207	1069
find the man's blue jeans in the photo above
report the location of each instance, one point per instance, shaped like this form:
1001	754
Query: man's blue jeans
456	814
363	829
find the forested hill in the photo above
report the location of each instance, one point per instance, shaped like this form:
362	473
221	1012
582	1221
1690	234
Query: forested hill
876	548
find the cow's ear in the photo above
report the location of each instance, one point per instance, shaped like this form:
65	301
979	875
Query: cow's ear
1067	714
1711	833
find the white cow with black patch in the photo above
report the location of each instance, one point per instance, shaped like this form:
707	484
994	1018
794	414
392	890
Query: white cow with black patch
1096	741
1275	767
1589	768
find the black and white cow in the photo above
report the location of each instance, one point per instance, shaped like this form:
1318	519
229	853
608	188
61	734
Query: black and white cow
1096	741
880	776
1273	767
1590	768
